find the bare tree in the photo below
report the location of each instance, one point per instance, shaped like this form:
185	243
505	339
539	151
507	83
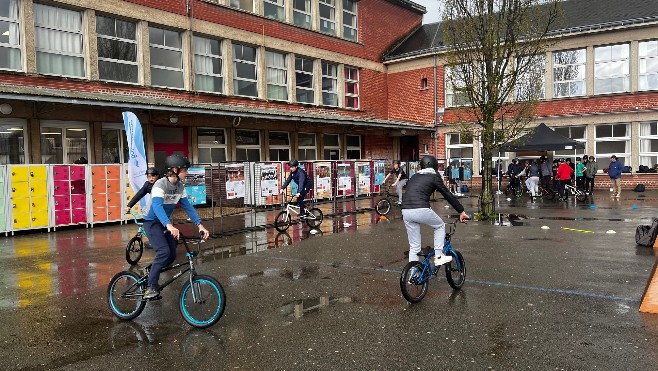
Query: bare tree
495	69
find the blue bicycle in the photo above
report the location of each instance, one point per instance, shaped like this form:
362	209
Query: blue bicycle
415	276
135	247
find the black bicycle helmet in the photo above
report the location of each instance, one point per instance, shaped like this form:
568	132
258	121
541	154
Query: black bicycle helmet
177	161
292	163
429	162
152	171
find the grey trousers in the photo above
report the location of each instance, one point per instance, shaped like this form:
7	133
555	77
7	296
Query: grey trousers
399	187
413	218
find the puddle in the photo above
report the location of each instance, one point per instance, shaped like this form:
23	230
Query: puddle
300	308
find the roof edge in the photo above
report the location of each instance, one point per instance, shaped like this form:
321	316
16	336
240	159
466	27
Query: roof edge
408	4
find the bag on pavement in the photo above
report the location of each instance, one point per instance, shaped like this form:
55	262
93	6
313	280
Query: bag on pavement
645	235
639	188
464	188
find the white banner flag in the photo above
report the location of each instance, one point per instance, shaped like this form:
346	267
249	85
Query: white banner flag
136	155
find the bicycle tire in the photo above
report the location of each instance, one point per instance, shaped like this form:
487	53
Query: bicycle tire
518	192
507	190
581	196
126	308
209	289
383	206
456	274
134	250
281	223
413	292
317	219
549	194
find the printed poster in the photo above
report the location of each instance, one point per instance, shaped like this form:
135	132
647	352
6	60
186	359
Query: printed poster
380	172
323	179
234	181
344	177
269	183
468	169
363	175
414	167
195	185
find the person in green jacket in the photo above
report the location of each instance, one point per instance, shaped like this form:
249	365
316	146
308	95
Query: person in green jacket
580	174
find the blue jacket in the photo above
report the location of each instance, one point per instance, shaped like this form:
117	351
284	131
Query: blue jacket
300	177
164	198
615	170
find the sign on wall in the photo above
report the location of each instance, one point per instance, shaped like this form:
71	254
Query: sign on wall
195	185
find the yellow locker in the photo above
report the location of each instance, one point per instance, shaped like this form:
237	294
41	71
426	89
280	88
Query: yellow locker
38	173
19	174
39	204
21	221
39	218
20	205
20	189
38	189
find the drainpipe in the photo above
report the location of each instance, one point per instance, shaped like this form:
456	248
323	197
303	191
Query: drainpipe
436	123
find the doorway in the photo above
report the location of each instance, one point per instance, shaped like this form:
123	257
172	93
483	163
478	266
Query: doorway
409	148
169	141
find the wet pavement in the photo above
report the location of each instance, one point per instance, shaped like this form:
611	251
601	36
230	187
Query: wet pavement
566	297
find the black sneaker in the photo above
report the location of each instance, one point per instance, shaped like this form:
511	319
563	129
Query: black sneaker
151	294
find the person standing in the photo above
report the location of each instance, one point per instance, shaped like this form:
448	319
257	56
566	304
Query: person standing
563	175
580	174
614	171
533	179
546	172
590	173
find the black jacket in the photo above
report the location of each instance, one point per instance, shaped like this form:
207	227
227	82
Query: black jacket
146	189
420	188
300	177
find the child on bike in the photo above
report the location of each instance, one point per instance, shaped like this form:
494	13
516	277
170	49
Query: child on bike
416	209
304	184
151	176
400	178
165	195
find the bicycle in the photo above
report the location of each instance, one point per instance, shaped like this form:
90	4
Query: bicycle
546	193
383	206
579	193
125	292
512	189
135	247
415	276
283	219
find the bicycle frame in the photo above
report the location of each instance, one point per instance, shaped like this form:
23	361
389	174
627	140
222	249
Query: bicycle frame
141	230
428	270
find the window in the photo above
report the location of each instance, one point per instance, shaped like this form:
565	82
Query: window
63	142
569	73
612	69
353	147
453	82
247	143
331	146
247	5
423	83
212	145
648	69
208	65
166	58
649	143
351	87
12	141
301	13
350	25
532	79
613	139
117	50
245	77
279	146
458	146
115	144
578	133
274	9
277	76
328	16
10	38
304	77
306	146
329	84
59	41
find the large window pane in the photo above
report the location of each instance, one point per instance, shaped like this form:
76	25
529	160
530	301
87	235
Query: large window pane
648	65
245	72
302	13
117	50
166	58
12	142
10	39
277	76
350	25
304	80
208	65
59	41
274	9
569	70
247	5
117	71
612	69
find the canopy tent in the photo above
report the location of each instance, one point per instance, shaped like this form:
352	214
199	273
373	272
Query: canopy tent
542	138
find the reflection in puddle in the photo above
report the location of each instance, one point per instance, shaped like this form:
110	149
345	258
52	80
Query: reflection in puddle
299	308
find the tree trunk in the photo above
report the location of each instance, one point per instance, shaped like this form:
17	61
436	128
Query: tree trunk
487	205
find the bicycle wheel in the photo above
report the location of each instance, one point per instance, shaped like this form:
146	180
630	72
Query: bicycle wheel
383	206
518	192
134	250
456	271
202	303
581	196
282	221
507	191
315	218
124	295
548	194
413	291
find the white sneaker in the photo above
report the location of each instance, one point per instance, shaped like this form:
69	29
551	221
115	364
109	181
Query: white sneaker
442	259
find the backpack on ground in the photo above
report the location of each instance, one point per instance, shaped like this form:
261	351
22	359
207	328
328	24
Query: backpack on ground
464	188
639	188
645	235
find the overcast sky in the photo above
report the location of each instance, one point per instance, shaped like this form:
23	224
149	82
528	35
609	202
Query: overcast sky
432	7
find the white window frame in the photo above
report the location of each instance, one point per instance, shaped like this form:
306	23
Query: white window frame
534	73
326	147
647	58
451	95
326	66
79	32
604	156
349	79
213	146
304	13
572	82
307	148
119	61
279	146
614	59
279	4
236	5
648	154
122	135
18	125
17	22
67	125
164	47
353	148
331	4
253	63
312	74
270	79
208	54
354	14
572	153
249	146
459	146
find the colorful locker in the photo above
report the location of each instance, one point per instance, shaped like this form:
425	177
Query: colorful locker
4	225
70	193
29	203
106	193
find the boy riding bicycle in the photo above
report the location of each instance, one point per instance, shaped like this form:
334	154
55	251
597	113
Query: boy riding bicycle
165	195
416	209
151	176
304	184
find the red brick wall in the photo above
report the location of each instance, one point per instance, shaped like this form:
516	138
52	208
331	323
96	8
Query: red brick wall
407	101
611	103
378	146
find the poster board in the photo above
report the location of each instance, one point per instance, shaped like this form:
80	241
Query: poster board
363	177
269	180
195	185
345	174
235	187
379	170
468	169
414	167
323	183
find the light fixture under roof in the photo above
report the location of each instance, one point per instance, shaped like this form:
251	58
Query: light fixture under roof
6	109
15	129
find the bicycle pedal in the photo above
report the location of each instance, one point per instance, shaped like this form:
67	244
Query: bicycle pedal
155	298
